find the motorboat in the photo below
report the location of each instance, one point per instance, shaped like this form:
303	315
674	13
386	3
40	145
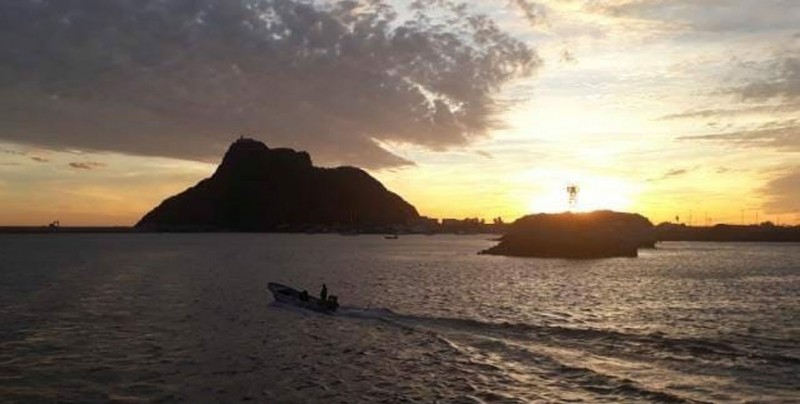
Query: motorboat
289	295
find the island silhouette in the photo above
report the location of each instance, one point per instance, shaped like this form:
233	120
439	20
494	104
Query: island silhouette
598	234
256	188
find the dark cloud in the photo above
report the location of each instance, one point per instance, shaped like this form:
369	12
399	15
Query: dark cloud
182	78
534	13
782	80
484	153
86	165
784	138
782	193
39	159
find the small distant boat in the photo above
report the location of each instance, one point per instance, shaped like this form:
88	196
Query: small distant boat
289	295
391	237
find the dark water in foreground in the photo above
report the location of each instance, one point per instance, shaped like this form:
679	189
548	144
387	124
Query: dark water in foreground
150	317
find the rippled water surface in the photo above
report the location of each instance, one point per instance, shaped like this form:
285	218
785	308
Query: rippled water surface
185	317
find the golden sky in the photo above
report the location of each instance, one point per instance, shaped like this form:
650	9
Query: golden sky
682	108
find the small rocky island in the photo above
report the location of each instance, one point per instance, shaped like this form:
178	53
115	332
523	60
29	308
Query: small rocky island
256	188
599	234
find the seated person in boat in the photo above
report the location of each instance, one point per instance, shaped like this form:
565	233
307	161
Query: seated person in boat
333	302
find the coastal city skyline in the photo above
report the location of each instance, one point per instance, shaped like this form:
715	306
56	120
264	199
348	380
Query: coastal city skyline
679	111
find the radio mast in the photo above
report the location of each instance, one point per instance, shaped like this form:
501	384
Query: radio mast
572	195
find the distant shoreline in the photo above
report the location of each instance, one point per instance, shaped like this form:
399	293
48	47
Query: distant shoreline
131	229
733	234
70	229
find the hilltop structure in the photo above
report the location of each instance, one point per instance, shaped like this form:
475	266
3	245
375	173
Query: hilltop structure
256	188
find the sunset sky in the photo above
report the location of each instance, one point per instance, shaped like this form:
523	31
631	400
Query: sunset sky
666	108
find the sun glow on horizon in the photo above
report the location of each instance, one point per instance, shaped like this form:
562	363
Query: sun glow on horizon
595	193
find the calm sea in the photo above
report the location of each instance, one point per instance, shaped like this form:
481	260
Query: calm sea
186	317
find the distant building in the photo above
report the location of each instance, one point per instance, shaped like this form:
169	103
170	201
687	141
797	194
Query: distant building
450	223
424	224
468	225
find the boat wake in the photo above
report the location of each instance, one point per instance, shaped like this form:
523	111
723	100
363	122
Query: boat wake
603	365
375	314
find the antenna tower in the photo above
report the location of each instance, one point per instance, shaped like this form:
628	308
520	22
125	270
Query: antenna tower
572	194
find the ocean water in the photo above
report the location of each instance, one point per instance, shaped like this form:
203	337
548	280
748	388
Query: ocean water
186	317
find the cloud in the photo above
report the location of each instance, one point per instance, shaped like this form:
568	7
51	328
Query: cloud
675	172
86	165
782	193
183	78
732	112
12	152
22	153
782	81
567	57
534	13
785	138
714	16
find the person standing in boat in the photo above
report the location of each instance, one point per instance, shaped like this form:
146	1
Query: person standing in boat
323	294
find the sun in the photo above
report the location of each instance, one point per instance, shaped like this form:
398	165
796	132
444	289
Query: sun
595	193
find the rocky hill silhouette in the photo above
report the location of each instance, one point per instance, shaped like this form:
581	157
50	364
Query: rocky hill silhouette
589	235
256	188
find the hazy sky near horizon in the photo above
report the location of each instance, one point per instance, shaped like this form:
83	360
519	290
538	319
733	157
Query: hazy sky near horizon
668	108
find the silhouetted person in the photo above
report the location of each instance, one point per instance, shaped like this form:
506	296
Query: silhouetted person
323	294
